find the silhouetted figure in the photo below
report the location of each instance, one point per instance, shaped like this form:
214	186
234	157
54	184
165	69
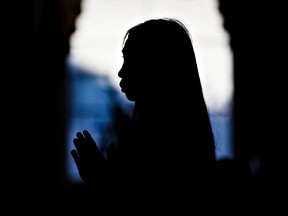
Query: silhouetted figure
170	140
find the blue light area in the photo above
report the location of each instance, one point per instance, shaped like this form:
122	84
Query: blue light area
91	101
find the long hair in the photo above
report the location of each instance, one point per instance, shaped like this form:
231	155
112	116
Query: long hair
171	118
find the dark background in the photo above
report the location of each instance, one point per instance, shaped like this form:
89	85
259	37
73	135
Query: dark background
35	43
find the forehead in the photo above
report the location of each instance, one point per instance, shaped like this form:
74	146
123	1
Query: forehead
128	46
124	50
133	42
136	49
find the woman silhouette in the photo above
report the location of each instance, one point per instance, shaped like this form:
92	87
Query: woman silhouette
170	133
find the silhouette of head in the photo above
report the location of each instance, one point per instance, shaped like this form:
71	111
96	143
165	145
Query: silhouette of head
160	74
155	52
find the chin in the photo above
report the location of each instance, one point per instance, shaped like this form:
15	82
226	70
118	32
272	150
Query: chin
130	97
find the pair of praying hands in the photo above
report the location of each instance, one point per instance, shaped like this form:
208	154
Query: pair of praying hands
92	165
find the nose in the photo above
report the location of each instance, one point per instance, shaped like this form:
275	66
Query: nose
120	73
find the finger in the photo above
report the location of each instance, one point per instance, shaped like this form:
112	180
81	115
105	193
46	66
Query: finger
74	153
80	136
87	135
79	146
75	156
89	140
87	147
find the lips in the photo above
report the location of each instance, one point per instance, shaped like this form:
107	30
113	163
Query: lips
121	85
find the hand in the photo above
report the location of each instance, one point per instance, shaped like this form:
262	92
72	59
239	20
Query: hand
90	161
